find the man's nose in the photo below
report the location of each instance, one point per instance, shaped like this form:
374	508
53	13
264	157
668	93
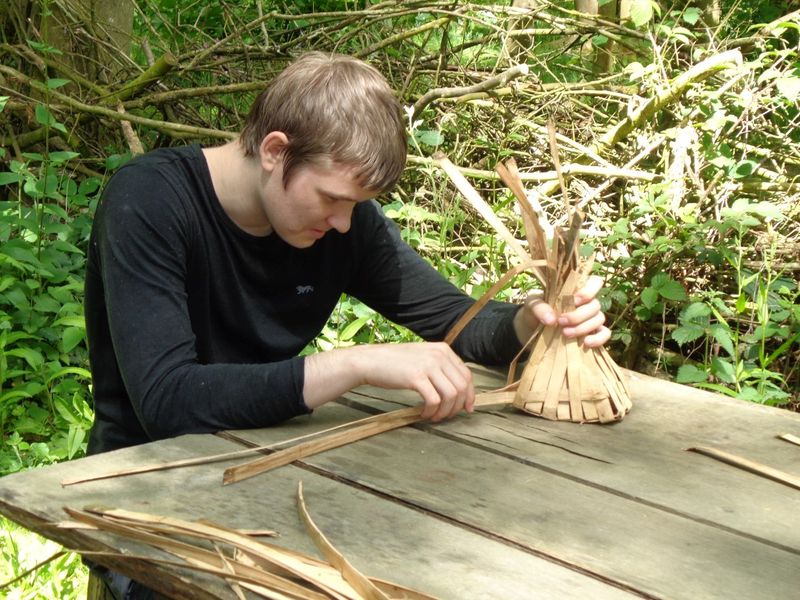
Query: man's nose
340	220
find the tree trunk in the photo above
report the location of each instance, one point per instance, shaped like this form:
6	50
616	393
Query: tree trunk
93	35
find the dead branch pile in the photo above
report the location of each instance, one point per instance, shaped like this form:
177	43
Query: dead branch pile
660	128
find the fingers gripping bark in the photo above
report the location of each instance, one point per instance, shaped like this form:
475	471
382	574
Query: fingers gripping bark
431	369
586	321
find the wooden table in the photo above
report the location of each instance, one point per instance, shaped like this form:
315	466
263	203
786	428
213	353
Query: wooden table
496	504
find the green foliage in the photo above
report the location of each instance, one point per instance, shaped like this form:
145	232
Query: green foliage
59	578
735	316
45	409
45	406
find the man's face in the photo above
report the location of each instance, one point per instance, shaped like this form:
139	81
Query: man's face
316	199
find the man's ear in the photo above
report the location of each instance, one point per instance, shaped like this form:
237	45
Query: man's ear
271	149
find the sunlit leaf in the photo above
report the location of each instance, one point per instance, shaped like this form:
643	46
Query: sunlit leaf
687	333
789	87
691	15
56	83
641	12
723	369
690	374
723	337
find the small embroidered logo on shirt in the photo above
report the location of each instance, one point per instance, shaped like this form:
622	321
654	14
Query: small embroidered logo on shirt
304	289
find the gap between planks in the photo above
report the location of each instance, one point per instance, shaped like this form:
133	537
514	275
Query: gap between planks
486	446
454	521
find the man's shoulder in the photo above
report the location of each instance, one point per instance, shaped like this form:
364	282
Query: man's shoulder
161	184
164	161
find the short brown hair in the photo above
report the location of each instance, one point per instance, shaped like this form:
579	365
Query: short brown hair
335	107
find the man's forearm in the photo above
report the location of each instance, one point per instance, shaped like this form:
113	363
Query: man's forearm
330	374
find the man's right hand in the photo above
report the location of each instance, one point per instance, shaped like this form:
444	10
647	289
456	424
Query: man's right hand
431	369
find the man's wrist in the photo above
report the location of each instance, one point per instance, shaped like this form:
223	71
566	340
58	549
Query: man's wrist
523	328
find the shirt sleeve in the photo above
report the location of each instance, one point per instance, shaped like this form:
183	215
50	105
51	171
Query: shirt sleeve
142	238
395	281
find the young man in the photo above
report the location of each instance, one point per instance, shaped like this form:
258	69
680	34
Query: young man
211	268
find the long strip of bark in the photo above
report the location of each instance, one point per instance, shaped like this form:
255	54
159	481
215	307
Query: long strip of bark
360	430
792	439
204	460
749	465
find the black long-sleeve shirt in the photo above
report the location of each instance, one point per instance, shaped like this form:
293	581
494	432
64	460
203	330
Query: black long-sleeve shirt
195	325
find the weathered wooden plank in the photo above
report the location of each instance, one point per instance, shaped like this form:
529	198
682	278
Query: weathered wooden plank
379	536
612	534
644	456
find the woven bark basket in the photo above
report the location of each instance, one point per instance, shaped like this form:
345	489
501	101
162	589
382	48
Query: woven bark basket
562	380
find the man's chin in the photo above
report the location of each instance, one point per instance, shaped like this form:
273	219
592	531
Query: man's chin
300	241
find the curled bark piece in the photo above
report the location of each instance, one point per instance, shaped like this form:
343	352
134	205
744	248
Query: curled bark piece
350	574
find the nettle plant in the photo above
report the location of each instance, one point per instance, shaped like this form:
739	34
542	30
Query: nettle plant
693	282
742	342
45	409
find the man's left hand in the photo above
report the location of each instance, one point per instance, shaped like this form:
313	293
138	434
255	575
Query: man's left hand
586	321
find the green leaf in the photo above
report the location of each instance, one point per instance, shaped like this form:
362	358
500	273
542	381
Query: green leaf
658	280
641	12
750	394
115	161
672	290
649	297
722	335
33	357
741	304
723	369
71	337
75	440
696	311
3	102
687	333
13	395
352	329
6	178
80	372
690	374
44	48
65	411
431	137
716	387
691	15
767	209
71	321
56	83
63	156
46	304
43	115
744	168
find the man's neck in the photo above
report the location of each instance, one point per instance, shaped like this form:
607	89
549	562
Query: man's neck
237	181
